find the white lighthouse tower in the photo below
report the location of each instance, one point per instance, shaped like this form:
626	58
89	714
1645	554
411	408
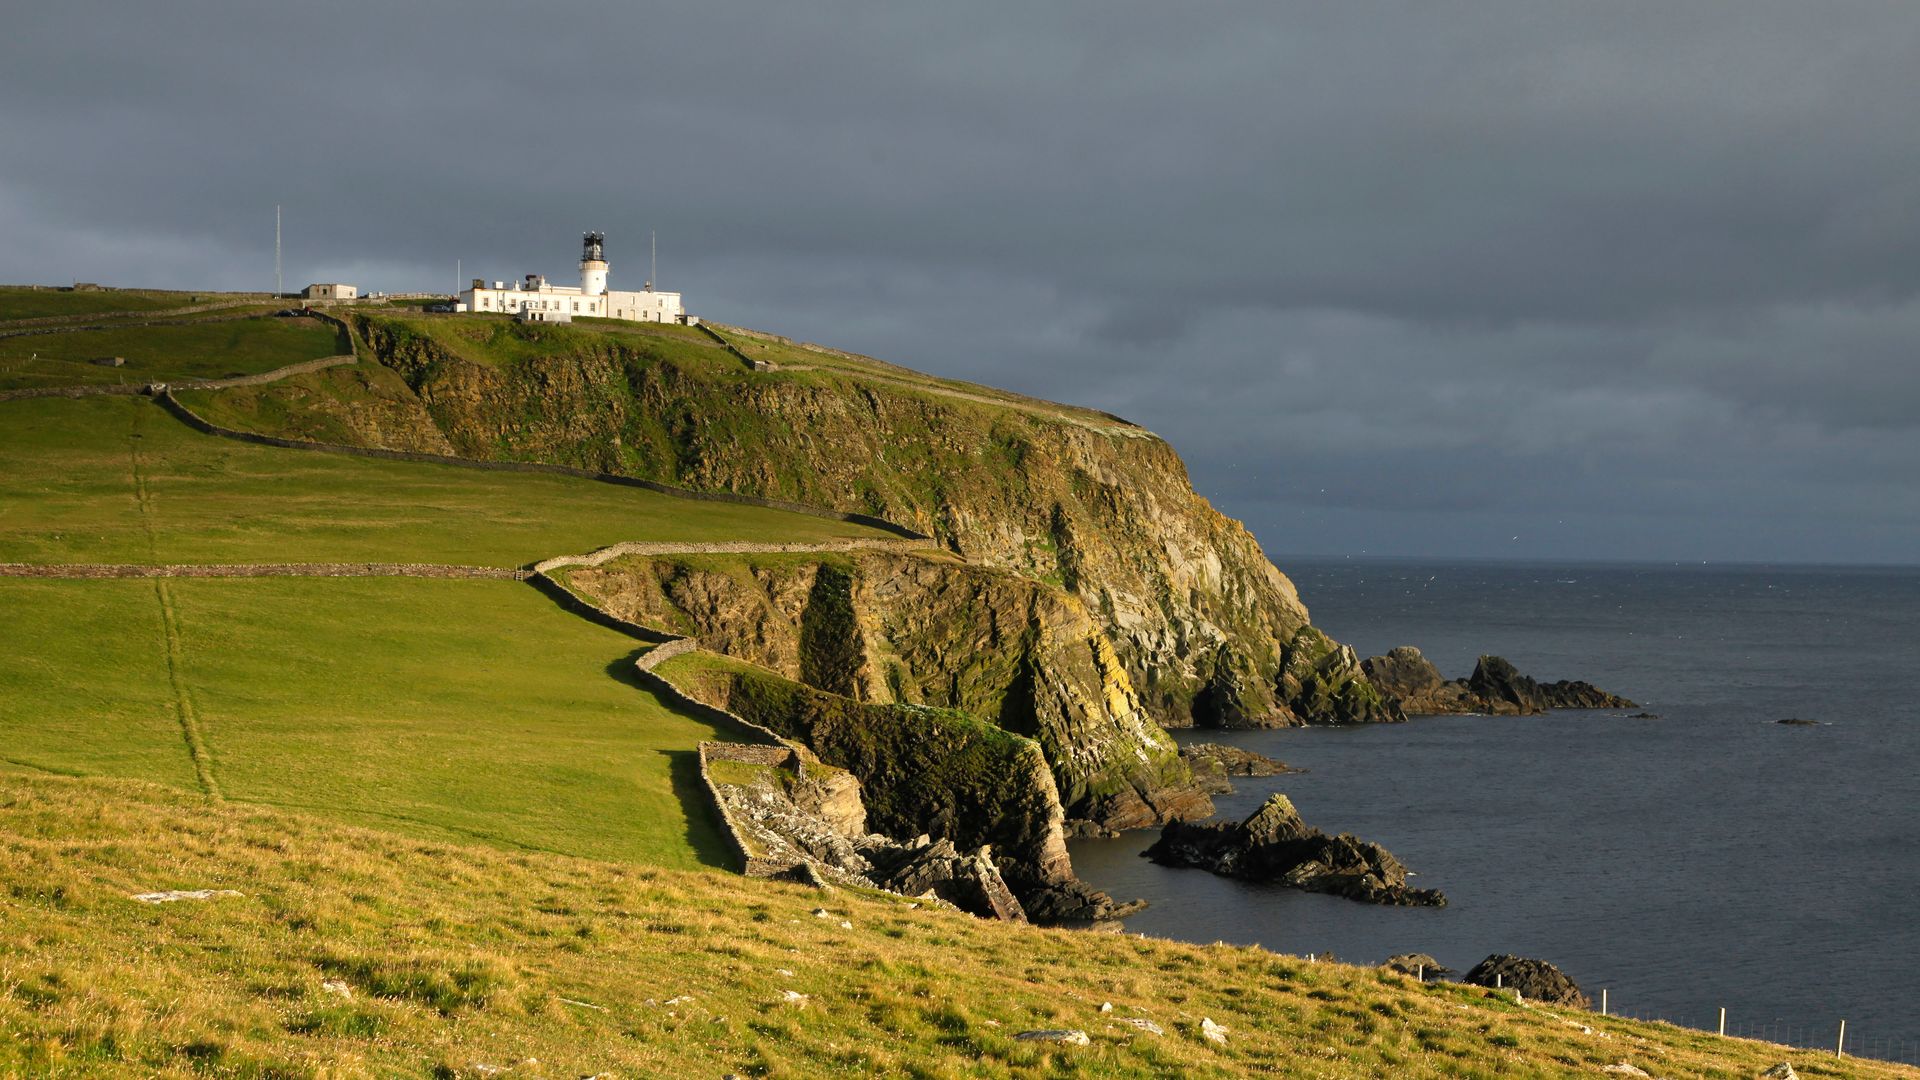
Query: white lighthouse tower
593	264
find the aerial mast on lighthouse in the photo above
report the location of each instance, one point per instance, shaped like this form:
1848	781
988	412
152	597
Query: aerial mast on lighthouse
593	263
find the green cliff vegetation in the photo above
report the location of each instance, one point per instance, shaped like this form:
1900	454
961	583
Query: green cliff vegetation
360	953
1065	496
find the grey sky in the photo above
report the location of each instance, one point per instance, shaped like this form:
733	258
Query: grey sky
1620	280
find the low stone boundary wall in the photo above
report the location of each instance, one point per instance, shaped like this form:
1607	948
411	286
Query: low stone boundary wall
163	394
102	571
752	364
92	390
114	320
14	330
727	547
751	865
275	375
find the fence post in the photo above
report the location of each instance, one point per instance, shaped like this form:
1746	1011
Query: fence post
1499	981
1840	1048
1723	1021
1603	1001
1422	976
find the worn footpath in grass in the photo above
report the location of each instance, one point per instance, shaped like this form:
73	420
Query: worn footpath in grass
450	960
120	480
212	349
439	708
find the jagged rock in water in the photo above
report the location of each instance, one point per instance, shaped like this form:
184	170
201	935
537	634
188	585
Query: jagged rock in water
1322	682
1534	980
1407	675
1496	682
1274	844
1213	763
1495	687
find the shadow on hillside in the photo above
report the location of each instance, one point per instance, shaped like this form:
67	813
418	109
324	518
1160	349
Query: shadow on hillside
704	832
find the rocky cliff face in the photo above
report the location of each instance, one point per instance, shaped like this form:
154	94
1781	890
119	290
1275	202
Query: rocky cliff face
1197	616
922	771
889	628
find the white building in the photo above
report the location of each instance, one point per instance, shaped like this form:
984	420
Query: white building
329	291
535	299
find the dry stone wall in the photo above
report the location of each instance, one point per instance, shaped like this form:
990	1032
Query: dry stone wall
129	389
86	571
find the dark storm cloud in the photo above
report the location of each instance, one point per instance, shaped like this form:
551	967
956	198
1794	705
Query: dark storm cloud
1633	279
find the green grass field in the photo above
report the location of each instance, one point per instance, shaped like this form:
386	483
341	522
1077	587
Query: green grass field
210	349
437	708
73	474
17	302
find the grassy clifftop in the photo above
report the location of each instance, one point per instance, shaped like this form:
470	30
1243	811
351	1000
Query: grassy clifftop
354	953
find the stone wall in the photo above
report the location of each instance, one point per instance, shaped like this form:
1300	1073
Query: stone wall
751	864
116	319
96	389
728	547
253	570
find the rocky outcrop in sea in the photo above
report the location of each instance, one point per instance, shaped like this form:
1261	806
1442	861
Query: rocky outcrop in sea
1274	844
1495	687
1213	763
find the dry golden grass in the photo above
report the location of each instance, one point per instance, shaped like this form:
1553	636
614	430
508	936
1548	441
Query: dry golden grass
462	957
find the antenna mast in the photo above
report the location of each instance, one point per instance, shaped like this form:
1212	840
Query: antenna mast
277	288
653	270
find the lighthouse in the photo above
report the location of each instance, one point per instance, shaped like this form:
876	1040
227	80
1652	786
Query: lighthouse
593	264
538	300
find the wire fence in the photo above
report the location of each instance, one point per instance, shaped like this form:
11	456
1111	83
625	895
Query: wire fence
1799	1034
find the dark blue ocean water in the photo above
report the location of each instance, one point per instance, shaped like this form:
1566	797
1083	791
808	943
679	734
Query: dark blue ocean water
1708	858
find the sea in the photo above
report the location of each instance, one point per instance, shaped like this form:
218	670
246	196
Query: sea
1707	858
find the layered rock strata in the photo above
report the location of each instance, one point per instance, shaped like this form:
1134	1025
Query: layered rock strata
1273	844
895	628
